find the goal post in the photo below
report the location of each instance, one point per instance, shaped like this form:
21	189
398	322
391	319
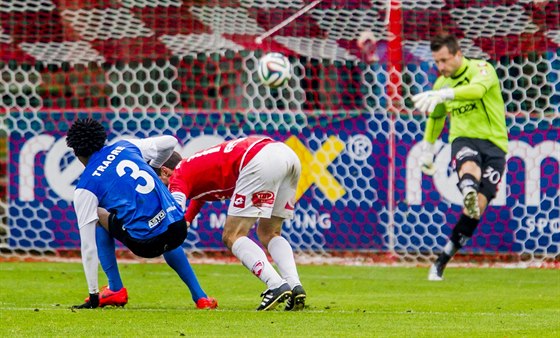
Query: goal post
188	69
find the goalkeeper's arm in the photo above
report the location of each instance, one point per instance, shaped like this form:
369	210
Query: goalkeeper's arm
428	101
435	124
432	130
474	91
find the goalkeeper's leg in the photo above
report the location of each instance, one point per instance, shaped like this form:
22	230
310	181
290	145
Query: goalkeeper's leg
461	233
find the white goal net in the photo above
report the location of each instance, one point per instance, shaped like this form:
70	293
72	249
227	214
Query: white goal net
188	68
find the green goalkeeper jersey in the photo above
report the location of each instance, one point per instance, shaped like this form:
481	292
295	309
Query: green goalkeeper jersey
478	109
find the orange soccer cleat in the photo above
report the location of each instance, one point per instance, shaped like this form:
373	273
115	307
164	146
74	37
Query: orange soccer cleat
114	298
206	303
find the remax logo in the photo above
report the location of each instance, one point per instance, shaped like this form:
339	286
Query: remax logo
314	164
314	167
446	181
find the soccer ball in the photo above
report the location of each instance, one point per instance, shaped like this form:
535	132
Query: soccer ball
274	70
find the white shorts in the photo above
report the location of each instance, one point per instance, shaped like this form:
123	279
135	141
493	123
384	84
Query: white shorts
267	184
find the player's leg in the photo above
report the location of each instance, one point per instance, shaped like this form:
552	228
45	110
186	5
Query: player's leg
115	293
253	258
467	161
106	252
269	229
178	261
469	184
254	197
169	243
492	161
269	232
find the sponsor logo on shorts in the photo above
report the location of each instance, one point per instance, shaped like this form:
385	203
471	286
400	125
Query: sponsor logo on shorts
258	268
239	201
263	198
157	219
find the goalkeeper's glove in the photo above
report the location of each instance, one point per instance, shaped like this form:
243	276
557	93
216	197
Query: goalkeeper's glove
91	303
426	102
427	158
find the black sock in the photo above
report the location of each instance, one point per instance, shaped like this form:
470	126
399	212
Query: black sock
463	230
443	259
461	233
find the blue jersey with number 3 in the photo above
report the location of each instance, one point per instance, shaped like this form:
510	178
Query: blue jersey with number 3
127	186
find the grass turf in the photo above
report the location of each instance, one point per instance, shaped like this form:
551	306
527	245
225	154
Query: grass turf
343	301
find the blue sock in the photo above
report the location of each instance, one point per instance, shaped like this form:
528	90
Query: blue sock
108	258
177	259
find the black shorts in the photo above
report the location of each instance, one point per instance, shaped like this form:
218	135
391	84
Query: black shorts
490	159
173	237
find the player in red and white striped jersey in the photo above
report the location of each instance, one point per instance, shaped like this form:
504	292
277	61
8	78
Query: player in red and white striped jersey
260	177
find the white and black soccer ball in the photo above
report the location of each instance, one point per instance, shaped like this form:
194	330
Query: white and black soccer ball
274	70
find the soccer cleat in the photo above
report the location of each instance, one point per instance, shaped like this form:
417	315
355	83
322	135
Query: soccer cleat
112	298
271	298
206	303
470	201
296	301
436	272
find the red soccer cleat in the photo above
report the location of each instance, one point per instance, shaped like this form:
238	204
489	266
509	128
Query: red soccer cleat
206	303
108	297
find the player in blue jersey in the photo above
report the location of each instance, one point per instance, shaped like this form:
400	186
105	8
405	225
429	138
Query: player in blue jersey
120	196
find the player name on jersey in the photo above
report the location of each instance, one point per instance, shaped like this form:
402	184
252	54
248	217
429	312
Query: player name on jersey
110	158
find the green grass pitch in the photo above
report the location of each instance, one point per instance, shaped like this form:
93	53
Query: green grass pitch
343	301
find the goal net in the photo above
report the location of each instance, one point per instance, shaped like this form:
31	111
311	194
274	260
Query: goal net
188	69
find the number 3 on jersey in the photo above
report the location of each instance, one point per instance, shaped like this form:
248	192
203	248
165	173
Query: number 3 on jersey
136	173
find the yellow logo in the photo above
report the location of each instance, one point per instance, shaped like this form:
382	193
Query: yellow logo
314	167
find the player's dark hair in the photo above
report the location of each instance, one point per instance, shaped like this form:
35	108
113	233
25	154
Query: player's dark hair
85	137
171	163
445	40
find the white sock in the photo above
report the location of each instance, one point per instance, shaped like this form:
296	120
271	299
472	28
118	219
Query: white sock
283	255
254	259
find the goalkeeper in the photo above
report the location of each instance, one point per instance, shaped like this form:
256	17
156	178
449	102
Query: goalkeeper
469	91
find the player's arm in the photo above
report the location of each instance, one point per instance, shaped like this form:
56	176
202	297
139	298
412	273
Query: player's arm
85	204
156	150
432	131
484	78
434	124
193	210
471	92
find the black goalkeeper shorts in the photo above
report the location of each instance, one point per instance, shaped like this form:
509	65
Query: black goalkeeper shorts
489	157
172	238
